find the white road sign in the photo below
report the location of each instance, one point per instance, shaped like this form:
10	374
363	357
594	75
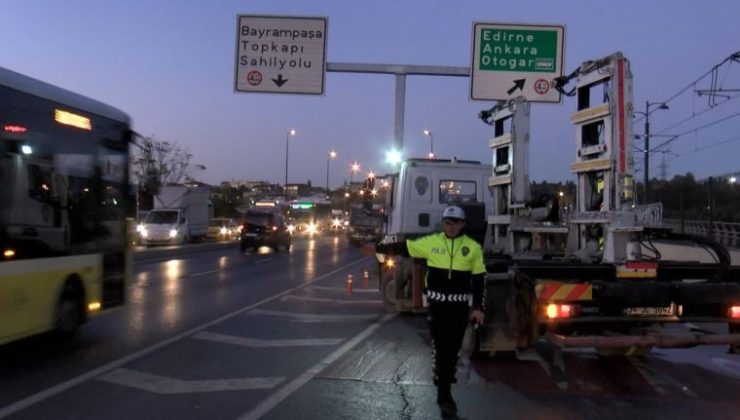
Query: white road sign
280	54
511	60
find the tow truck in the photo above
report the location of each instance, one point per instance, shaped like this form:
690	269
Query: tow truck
589	275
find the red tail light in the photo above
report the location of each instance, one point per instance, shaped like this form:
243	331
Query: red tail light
557	310
274	228
735	312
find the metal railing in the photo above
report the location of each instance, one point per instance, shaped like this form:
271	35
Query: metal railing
728	234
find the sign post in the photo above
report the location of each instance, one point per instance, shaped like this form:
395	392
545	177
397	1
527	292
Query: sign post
279	54
512	60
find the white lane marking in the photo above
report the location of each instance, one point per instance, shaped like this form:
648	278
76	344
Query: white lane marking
56	389
728	366
202	273
329	300
304	317
164	385
261	261
658	380
653	380
342	289
256	342
281	394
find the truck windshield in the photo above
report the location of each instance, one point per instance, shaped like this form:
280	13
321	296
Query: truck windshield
451	192
360	218
162	217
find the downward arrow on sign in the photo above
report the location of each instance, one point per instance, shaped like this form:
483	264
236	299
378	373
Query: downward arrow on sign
280	81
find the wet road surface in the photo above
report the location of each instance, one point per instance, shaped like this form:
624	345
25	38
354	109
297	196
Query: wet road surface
217	334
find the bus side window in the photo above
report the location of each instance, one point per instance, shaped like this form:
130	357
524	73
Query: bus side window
39	183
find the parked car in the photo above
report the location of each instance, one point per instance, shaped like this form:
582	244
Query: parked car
264	228
223	229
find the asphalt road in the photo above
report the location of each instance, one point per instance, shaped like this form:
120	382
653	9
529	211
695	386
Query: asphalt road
212	333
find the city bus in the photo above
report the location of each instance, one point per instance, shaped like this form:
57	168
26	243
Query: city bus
309	217
64	200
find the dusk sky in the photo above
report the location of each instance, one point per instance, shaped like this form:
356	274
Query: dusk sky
170	66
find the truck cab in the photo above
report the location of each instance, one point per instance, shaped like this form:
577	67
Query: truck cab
420	191
422	188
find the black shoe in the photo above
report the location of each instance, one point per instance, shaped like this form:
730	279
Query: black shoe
444	399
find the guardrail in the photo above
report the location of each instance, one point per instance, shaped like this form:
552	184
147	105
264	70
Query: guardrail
728	234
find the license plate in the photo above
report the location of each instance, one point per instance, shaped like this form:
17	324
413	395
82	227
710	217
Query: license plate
650	311
250	235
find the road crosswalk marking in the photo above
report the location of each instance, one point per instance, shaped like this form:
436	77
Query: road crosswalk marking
342	289
306	317
329	300
165	385
256	342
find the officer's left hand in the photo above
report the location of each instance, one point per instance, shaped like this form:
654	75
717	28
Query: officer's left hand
477	316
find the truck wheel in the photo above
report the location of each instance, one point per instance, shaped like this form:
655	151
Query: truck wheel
734	329
388	290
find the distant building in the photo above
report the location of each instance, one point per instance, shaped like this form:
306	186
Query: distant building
297	190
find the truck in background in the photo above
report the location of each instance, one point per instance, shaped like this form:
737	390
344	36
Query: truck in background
181	214
364	226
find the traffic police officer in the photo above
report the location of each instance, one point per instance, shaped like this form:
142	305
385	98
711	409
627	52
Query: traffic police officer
454	281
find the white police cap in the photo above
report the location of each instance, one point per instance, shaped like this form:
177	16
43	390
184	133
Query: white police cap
453	212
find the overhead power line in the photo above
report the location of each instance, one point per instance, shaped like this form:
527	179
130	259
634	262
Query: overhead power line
694	130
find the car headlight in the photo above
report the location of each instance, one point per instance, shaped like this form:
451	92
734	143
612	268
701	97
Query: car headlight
311	229
140	228
143	232
173	233
224	231
291	229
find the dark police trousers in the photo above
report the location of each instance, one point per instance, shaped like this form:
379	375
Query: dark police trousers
447	324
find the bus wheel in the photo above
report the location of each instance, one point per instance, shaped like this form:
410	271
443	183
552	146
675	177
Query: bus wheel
69	314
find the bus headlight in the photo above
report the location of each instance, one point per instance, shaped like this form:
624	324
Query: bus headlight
173	233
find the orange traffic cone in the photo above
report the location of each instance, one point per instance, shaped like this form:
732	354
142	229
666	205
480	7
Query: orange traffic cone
349	284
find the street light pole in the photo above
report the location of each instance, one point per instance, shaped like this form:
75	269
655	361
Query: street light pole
332	155
647	146
290	132
431	142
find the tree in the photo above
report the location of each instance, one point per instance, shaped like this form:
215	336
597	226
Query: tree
160	162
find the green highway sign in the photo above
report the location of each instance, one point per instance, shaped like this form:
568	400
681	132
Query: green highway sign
511	60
